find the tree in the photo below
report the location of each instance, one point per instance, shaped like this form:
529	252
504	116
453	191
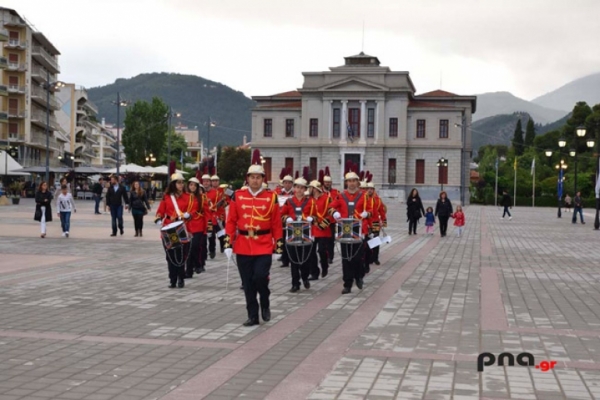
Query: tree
233	164
517	141
145	130
529	133
178	147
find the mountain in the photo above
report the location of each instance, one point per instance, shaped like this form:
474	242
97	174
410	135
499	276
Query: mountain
498	129
564	98
194	97
499	103
552	126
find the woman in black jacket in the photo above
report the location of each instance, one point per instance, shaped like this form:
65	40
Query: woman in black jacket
139	206
414	211
443	210
43	207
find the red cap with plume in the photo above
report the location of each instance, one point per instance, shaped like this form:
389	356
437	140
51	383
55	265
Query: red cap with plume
306	173
172	167
199	175
256	166
297	175
321	176
283	173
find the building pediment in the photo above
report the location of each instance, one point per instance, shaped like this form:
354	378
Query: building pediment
353	85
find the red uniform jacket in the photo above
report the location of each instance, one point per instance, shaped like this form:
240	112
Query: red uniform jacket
333	195
289	208
360	205
200	214
321	214
166	210
459	218
218	203
254	223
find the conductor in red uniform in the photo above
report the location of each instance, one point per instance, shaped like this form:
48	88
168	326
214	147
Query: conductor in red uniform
254	231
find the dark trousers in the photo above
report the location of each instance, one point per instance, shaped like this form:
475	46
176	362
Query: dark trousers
331	245
176	258
301	260
204	248
138	222
322	246
375	250
65	220
352	262
195	261
97	205
116	216
254	271
285	257
443	224
412	225
506	211
212	240
580	211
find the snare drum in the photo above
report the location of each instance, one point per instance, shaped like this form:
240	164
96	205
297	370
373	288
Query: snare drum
349	230
298	233
174	235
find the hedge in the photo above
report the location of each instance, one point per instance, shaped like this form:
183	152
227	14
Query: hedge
540	201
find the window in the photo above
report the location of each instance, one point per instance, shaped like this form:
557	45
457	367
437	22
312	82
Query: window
420	171
421	128
371	123
393	127
267	168
13	80
354	122
443	129
313	168
289	163
443	175
336	122
289	128
13	129
13	106
314	127
392	171
13	58
268	127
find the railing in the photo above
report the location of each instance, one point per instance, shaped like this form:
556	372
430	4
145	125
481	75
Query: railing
42	95
20	67
16	113
40	73
39	51
3	62
40	118
17	89
89	104
40	139
3	90
16	43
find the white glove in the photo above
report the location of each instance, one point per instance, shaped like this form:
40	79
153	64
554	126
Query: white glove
228	253
309	219
186	215
364	214
289	220
159	223
337	215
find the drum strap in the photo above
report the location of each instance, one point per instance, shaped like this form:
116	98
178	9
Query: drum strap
176	206
298	213
351	207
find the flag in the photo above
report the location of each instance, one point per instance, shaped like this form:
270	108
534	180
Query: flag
181	159
533	166
515	163
598	179
560	183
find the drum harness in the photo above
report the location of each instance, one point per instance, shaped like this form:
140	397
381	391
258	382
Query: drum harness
351	205
302	256
179	255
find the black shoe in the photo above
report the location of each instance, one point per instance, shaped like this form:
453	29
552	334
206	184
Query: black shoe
242	287
197	270
172	285
98	213
251	322
294	289
313	278
212	255
113	235
181	284
409	233
284	265
330	261
122	232
222	250
189	276
582	223
202	269
359	283
346	290
141	233
306	283
136	234
324	273
367	269
266	314
377	262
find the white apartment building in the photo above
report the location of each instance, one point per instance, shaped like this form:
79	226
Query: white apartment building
368	114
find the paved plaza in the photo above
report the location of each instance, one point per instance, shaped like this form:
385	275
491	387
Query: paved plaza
91	317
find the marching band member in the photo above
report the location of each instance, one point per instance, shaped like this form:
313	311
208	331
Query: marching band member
320	229
218	203
172	208
197	228
333	195
254	230
284	192
351	204
299	208
379	219
209	225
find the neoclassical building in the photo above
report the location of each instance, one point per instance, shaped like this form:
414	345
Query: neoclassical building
369	114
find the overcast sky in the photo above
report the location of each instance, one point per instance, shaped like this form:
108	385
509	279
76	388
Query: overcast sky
260	47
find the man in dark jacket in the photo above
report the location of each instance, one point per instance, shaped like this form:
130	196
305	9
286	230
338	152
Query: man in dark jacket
115	197
578	207
506	203
97	190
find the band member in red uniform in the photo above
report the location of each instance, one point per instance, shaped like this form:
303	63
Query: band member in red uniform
333	195
320	229
284	192
351	204
378	220
197	228
299	208
254	231
169	212
218	204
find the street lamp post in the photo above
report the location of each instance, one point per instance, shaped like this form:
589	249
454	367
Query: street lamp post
561	166
442	162
150	159
209	124
170	115
119	103
48	87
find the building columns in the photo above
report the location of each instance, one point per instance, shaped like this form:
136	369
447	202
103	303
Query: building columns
363	122
330	123
344	128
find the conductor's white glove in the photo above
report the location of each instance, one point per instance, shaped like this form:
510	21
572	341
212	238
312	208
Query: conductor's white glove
309	219
337	215
158	222
228	253
186	215
289	220
364	214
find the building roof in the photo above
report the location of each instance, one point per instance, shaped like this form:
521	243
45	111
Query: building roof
294	104
362	59
291	93
424	104
40	37
437	93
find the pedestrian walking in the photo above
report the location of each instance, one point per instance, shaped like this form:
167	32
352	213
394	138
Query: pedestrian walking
105	185
414	211
43	207
459	220
443	210
506	202
196	226
568	201
97	194
578	208
64	206
115	197
429	221
138	200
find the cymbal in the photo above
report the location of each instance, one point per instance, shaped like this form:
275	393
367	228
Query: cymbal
223	185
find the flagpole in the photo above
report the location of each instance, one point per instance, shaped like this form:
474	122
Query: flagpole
496	185
515	185
533	173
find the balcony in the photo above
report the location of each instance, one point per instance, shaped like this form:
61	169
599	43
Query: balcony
16	44
3	62
13	20
3	117
40	74
38	139
39	118
45	58
14	113
16	67
16	89
3	90
91	106
3	35
41	96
